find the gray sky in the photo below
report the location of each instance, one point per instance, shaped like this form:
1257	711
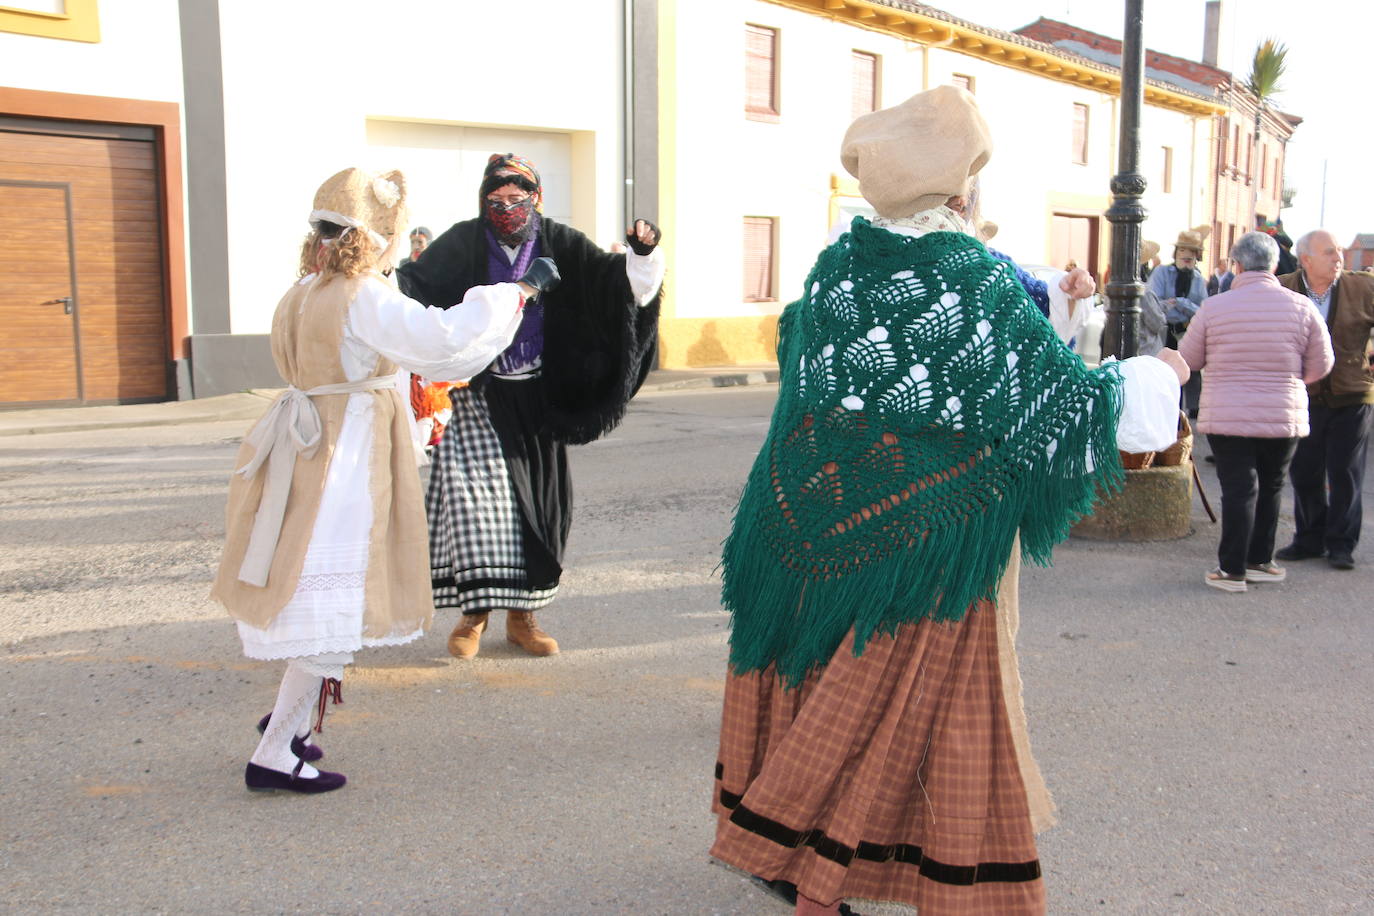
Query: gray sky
1329	64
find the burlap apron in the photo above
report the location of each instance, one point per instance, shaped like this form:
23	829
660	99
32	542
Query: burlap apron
307	332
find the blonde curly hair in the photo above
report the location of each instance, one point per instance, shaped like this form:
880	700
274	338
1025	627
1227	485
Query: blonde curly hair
350	252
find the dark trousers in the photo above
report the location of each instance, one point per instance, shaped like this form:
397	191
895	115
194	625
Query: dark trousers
1250	471
1191	394
1331	456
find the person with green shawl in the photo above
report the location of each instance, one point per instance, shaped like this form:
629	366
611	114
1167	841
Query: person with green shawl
930	430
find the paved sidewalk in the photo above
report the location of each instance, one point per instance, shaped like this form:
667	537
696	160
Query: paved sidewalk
249	405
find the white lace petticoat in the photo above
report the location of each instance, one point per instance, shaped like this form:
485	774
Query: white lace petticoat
326	612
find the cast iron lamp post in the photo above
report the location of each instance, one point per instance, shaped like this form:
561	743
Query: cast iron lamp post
1156	503
1124	291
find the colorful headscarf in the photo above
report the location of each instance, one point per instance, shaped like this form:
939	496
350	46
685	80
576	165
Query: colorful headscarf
511	223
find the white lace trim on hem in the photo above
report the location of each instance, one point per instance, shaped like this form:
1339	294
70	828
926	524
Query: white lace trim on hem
300	648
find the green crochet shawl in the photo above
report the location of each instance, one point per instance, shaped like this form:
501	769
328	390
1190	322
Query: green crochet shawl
927	412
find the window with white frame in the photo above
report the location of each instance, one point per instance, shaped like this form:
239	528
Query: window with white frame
761	73
760	256
863	83
1080	134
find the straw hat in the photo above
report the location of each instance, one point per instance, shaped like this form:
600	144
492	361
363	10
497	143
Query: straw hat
1192	239
374	203
917	155
1148	251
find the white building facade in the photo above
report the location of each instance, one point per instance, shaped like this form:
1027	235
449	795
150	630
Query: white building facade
272	98
157	158
752	181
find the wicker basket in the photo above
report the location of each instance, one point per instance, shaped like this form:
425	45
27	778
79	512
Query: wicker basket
1137	461
1182	449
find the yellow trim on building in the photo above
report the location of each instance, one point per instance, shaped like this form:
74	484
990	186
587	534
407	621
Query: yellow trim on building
80	22
841	187
685	343
667	176
974	42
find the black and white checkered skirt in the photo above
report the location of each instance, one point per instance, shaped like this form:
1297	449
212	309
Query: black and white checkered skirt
476	542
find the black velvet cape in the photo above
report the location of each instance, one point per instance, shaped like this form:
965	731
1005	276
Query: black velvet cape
598	344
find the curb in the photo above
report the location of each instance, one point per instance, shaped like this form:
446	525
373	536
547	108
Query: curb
70	420
725	380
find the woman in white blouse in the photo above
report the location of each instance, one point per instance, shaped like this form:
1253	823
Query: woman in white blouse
325	546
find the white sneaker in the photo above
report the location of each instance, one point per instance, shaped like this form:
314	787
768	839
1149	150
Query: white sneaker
1265	572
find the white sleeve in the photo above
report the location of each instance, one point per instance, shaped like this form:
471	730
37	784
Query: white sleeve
449	344
645	273
1149	409
1067	321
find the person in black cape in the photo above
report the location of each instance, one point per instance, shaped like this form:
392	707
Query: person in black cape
500	494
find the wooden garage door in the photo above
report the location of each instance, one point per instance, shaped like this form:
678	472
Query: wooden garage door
110	342
38	352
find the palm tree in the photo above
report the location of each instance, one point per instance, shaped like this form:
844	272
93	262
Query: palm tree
1267	69
1263	82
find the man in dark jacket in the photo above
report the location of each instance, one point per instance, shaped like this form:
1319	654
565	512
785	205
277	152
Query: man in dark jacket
500	493
1340	408
1287	262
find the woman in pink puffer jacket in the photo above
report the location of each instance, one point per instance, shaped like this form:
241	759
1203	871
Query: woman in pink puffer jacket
1260	345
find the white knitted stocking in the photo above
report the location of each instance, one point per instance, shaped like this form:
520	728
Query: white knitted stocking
298	692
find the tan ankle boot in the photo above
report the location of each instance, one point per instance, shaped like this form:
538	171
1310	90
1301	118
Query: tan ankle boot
465	639
525	633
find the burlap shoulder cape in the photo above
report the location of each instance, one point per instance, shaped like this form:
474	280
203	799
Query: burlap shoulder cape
927	412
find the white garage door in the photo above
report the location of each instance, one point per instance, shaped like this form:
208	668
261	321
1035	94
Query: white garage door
443	166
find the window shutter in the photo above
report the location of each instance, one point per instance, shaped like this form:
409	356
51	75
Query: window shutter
760	70
758	259
863	83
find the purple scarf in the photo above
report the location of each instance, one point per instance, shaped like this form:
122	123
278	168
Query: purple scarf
528	345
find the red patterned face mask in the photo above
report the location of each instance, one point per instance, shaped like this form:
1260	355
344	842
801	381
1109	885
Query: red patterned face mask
509	221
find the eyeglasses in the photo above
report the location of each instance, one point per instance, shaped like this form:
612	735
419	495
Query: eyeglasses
508	198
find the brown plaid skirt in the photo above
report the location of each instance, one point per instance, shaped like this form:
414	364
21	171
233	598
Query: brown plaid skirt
893	776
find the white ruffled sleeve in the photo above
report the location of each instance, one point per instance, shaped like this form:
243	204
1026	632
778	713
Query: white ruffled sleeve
450	344
645	273
1149	409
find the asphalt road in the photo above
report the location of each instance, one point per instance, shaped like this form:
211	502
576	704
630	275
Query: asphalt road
1209	753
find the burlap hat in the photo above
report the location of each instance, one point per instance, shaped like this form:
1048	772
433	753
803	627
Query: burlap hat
374	203
1192	239
917	155
1148	250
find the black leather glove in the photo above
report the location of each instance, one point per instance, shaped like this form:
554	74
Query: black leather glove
638	247
542	275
